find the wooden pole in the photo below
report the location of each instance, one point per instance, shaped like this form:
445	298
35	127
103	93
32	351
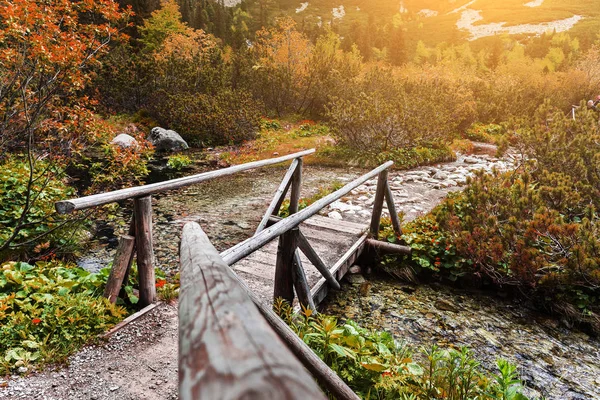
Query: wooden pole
314	258
301	284
390	248
119	267
145	253
389	198
68	206
279	195
378	204
296	183
227	350
284	271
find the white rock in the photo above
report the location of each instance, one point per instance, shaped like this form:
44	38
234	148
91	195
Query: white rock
343	207
335	215
124	140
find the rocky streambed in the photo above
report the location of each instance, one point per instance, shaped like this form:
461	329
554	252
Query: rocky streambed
554	360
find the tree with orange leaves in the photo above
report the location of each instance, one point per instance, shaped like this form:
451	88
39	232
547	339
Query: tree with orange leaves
48	52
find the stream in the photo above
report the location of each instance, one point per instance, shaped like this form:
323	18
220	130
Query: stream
555	361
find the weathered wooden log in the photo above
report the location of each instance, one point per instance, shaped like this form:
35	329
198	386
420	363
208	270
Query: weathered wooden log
145	254
314	258
119	267
296	184
133	252
284	266
226	348
389	198
378	203
254	243
68	206
389	248
301	283
279	195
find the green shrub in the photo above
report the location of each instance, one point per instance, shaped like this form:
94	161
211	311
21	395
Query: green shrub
535	229
178	162
376	366
488	133
48	311
309	128
269	124
229	117
404	158
29	226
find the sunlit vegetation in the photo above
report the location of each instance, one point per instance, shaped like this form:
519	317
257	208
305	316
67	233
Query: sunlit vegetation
377	366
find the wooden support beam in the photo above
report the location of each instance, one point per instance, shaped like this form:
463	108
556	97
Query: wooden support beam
389	248
280	193
68	206
250	245
133	252
145	253
314	258
378	204
319	291
119	267
389	198
284	266
227	350
301	283
296	184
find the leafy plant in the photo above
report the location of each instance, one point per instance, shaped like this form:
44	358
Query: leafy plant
49	310
376	366
178	162
305	202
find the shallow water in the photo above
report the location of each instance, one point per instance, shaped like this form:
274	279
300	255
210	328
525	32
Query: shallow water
555	361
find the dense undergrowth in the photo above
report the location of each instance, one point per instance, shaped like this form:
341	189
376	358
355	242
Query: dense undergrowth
376	366
535	230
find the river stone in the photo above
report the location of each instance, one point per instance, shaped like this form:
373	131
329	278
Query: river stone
440	175
355	279
335	215
355	269
166	140
124	141
445	305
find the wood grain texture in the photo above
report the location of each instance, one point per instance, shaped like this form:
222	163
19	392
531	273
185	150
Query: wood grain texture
388	248
227	350
119	267
378	204
68	206
296	186
301	283
284	271
145	253
314	258
275	204
389	199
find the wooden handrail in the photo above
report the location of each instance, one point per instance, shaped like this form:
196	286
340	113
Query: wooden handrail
68	206
254	243
227	350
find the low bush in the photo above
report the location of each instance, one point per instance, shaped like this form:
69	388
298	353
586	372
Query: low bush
48	311
178	162
376	366
535	229
488	133
229	117
29	226
403	158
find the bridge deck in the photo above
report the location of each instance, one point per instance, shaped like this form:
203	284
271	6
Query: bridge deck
331	239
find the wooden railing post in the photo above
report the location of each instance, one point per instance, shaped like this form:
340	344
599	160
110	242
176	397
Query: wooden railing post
288	243
145	253
389	199
378	204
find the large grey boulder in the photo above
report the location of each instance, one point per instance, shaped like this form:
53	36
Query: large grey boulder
124	140
166	140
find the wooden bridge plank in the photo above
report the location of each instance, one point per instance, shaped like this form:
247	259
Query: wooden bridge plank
227	349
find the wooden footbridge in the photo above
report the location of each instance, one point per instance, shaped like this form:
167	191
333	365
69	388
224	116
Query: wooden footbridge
231	344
